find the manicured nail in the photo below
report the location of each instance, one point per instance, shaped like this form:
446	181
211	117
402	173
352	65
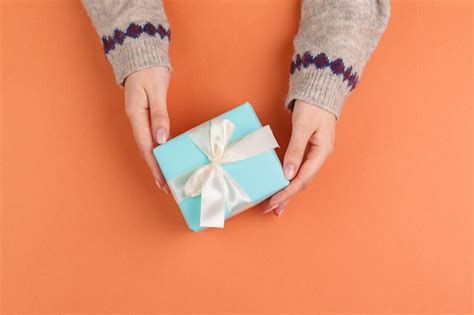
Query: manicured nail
166	189
161	135
279	212
290	171
270	209
157	183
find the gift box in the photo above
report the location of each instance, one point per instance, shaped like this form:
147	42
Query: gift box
221	167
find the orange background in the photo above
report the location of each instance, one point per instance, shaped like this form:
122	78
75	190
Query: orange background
385	227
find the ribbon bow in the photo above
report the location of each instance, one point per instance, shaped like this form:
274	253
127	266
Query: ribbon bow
217	187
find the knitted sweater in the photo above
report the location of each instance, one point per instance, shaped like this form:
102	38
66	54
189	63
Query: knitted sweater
333	44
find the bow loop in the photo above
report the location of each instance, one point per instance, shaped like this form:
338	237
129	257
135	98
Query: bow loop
254	143
193	186
220	134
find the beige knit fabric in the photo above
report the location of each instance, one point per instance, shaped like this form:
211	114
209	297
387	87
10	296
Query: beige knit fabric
347	30
341	29
134	54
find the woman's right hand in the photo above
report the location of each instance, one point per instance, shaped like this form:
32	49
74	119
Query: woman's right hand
145	104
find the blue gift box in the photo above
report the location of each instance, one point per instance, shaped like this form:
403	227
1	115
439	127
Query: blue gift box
260	176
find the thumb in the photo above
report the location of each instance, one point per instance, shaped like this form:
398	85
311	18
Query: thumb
295	152
160	122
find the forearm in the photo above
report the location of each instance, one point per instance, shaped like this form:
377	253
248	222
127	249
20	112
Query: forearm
135	34
333	44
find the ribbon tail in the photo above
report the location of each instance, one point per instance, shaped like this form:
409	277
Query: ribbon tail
213	198
237	198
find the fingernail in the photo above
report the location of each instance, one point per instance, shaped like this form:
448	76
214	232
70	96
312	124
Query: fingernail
290	171
157	183
166	189
279	212
161	135
270	209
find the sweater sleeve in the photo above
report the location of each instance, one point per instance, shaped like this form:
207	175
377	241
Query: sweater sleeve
333	44
135	33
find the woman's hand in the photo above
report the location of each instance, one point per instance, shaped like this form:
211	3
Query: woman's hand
145	104
311	142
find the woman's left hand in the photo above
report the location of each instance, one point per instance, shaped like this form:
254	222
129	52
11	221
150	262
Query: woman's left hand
311	142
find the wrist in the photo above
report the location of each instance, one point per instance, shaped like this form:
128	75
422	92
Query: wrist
138	55
317	109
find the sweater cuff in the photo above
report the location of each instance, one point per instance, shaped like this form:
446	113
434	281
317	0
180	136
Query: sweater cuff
319	87
137	55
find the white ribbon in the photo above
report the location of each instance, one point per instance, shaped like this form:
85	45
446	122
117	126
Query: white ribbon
217	188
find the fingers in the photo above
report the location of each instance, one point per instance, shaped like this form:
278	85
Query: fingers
160	123
278	211
315	158
277	208
138	114
295	151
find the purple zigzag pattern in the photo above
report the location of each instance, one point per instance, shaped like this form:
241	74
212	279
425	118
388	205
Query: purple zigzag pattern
321	61
133	31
